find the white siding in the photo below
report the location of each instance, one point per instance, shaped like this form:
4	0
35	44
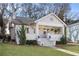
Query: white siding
51	21
12	32
29	36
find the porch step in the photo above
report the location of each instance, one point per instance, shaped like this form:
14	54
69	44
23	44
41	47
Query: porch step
46	42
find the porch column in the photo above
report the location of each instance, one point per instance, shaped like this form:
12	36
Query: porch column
37	29
63	30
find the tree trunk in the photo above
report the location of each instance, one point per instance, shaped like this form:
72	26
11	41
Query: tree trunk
2	25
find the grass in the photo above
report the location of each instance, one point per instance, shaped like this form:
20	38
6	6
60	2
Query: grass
73	48
25	50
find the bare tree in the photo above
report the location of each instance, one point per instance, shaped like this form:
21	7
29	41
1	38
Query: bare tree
4	11
2	25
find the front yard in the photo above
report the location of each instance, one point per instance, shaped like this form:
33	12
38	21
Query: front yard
25	50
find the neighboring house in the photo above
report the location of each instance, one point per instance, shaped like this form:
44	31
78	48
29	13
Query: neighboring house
2	29
73	32
46	30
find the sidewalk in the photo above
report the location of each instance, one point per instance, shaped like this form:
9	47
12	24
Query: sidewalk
67	51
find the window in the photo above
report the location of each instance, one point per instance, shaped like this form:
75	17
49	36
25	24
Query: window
27	30
47	29
52	29
57	31
44	28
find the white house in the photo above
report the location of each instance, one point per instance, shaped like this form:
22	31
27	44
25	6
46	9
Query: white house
46	30
73	32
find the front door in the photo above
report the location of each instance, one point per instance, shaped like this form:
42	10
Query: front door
44	34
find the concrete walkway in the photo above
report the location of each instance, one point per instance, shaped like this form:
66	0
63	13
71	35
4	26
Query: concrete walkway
67	51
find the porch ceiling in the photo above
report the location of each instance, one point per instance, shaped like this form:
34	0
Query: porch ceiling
49	24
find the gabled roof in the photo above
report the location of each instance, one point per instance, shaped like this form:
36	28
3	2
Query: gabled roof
53	15
74	22
23	20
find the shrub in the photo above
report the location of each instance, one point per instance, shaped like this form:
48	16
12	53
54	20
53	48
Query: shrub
58	42
62	40
22	35
31	42
69	40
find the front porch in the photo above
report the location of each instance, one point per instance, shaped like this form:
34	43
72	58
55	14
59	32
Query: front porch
48	35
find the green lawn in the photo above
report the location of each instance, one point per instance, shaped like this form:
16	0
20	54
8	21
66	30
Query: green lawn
18	50
73	48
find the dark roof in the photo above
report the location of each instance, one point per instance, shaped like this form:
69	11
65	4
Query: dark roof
21	20
72	22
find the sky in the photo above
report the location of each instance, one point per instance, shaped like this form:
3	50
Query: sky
74	10
74	7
